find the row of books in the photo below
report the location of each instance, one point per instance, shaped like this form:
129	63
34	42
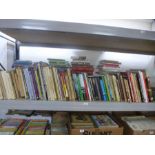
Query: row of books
64	123
39	81
132	86
42	81
23	127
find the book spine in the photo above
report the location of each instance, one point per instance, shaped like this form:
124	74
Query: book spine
115	88
76	85
106	87
143	86
123	89
79	87
71	84
31	84
103	90
25	70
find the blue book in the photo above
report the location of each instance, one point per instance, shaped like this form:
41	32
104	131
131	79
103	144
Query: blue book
103	90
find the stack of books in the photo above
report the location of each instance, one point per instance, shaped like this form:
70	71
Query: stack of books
22	63
102	121
81	65
34	127
139	123
29	115
58	63
131	86
59	123
108	65
81	121
10	126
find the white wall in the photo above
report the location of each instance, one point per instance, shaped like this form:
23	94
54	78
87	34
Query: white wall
7	53
3	52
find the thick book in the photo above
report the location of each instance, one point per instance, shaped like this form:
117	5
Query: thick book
81	119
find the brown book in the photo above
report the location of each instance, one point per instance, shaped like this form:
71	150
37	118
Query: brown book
127	88
73	94
133	85
137	87
119	85
131	88
123	89
21	84
81	120
112	88
12	74
114	80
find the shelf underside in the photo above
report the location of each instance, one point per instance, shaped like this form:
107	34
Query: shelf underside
75	106
82	36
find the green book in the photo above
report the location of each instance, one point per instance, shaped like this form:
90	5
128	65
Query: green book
107	88
79	88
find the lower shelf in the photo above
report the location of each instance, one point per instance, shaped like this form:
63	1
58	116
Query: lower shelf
75	105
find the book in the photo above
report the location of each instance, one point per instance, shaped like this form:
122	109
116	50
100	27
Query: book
102	121
81	120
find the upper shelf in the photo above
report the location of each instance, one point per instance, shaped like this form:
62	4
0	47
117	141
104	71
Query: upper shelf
77	35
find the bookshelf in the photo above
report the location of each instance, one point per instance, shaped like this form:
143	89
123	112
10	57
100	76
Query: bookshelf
75	106
82	36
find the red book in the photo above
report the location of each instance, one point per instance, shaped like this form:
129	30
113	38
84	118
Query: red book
86	89
144	79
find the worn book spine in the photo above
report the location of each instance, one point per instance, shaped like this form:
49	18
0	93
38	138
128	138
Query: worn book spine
115	88
123	89
25	70
32	85
71	85
142	82
91	88
14	83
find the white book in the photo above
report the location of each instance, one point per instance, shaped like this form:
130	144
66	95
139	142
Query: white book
143	87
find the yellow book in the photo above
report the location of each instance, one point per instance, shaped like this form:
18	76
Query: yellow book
10	87
12	74
56	82
71	85
68	87
116	88
112	88
59	85
20	83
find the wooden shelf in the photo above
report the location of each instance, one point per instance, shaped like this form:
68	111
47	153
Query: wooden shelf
75	106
